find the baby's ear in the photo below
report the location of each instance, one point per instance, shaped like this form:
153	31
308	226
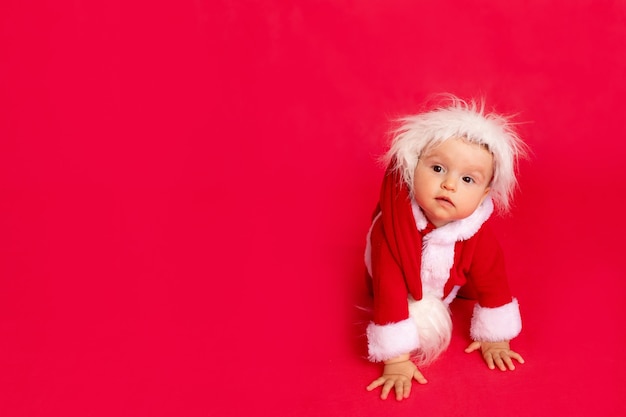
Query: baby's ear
487	190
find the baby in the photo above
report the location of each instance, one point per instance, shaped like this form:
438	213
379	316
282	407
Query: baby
431	235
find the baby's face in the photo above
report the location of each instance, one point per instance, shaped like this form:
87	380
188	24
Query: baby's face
452	179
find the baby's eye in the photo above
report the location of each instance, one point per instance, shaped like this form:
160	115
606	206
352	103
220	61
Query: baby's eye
468	180
437	168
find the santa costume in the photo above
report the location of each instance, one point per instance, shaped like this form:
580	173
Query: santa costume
416	271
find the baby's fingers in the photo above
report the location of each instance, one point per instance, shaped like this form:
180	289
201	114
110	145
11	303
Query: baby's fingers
509	363
489	360
389	384
472	347
501	360
419	377
403	389
376	383
508	357
516	356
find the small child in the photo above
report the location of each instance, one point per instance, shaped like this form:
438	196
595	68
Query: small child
430	236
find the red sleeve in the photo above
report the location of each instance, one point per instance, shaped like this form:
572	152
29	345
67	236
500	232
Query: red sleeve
487	272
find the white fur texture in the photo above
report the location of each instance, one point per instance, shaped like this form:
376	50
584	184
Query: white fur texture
438	245
496	324
391	340
458	118
434	326
368	246
427	331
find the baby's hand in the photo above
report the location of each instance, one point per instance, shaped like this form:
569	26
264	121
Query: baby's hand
496	354
398	375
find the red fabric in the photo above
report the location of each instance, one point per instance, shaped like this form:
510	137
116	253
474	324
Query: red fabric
397	257
396	252
480	264
185	187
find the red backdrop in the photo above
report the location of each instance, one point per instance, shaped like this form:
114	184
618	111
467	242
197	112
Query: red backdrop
185	187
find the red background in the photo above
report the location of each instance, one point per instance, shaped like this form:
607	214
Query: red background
185	187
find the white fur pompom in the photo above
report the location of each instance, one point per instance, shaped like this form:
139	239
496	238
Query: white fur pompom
434	324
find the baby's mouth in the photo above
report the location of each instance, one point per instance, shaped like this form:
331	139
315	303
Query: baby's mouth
445	200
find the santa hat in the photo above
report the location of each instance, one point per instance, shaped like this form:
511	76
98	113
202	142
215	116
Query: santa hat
455	118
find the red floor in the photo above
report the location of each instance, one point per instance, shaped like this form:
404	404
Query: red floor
185	188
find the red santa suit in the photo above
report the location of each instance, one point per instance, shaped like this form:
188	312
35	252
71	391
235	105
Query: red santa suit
416	271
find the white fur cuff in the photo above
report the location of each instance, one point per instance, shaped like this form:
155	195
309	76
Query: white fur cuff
496	324
391	340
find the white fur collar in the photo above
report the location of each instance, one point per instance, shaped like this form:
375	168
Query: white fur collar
438	245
